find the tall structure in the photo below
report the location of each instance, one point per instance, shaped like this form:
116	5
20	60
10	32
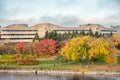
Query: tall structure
23	33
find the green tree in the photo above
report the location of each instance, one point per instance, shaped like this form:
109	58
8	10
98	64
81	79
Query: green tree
111	34
36	38
46	34
82	32
73	34
96	34
91	33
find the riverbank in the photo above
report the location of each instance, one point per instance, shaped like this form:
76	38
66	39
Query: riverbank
34	71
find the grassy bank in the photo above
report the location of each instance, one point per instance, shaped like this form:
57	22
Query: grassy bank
54	65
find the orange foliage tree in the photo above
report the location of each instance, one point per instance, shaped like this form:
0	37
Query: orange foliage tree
20	47
111	59
46	46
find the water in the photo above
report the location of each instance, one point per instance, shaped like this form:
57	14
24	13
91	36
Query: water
56	77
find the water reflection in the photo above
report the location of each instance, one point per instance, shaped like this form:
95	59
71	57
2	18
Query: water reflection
81	77
56	77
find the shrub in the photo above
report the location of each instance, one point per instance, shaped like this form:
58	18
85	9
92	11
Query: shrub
7	59
111	59
28	59
5	49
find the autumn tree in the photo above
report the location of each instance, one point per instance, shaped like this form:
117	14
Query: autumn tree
31	48
7	49
46	46
116	39
20	47
85	47
98	49
111	59
75	49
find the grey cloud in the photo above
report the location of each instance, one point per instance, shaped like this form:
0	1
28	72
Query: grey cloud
30	21
68	20
107	21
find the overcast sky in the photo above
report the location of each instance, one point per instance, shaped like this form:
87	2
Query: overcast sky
60	12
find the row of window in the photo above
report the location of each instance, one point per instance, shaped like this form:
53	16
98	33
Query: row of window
72	30
19	30
109	30
17	38
17	34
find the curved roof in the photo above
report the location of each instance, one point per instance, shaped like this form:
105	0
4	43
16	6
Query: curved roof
45	25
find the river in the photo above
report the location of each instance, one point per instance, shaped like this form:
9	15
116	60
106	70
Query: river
5	76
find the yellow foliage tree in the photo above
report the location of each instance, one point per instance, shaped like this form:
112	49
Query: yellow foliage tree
85	47
98	49
75	49
116	39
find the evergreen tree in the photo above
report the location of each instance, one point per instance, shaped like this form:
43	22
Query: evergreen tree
111	34
73	34
36	38
46	34
100	35
96	34
76	32
82	32
55	35
91	33
69	34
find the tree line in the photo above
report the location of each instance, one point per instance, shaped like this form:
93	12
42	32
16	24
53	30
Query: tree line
71	34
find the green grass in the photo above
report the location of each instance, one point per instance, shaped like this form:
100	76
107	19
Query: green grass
51	65
41	64
47	62
118	59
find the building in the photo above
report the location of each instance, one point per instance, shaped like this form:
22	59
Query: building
24	33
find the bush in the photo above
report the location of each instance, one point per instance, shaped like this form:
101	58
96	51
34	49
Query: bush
28	59
7	59
20	59
5	49
111	59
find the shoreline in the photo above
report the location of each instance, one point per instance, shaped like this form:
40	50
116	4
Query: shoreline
59	72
